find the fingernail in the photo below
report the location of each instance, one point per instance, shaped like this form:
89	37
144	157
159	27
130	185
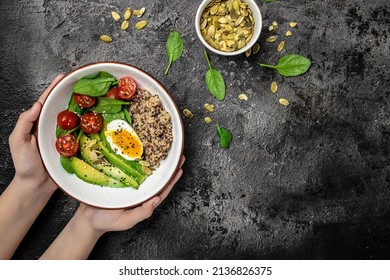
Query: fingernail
156	203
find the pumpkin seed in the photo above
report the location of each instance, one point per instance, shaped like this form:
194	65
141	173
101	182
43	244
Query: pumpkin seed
141	24
146	170
293	24
275	24
284	102
274	87
209	107
144	163
127	13
115	16
125	25
271	39
281	46
256	48
106	38
243	96
139	13
248	52
188	114
272	28
288	33
207	120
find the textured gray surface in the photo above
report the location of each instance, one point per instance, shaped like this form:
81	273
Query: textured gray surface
308	181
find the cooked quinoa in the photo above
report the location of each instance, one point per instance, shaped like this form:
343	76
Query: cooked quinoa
153	125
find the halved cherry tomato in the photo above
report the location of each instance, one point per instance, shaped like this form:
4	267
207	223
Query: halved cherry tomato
113	93
67	145
126	87
67	120
84	101
91	122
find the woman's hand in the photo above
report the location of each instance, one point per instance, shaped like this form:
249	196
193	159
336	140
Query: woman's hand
23	143
31	187
88	224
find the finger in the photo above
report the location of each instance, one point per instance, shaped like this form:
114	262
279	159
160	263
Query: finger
168	189
182	160
132	217
45	94
25	123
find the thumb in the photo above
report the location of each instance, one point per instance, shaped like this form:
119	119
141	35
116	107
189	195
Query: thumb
25	122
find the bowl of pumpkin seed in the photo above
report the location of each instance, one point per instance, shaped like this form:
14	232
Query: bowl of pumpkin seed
228	27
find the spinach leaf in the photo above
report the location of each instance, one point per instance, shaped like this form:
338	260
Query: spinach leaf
127	116
108	105
95	85
66	164
270	1
291	65
224	136
174	48
60	131
214	81
73	107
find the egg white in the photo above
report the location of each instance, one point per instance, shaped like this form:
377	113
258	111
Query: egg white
121	125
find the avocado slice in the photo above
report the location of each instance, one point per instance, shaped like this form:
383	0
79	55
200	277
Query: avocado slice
105	167
118	161
90	175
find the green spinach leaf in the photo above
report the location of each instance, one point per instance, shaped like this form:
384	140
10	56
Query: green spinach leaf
174	48
73	107
95	85
224	136
66	164
108	105
291	65
270	1
214	81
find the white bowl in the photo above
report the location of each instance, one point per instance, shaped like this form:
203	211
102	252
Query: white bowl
106	197
256	34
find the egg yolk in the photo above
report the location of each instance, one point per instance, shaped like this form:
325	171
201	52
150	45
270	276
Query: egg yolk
129	144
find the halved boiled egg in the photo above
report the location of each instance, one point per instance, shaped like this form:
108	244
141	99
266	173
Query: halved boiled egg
123	140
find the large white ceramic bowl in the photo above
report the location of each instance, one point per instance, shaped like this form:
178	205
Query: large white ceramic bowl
256	34
105	197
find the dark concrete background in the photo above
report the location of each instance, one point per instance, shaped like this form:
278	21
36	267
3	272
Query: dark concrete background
308	181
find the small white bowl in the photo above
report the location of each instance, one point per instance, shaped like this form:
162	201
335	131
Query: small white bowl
256	34
105	197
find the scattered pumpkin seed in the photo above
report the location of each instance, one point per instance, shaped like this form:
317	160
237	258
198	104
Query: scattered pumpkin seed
243	96
207	120
284	102
293	24
141	24
106	38
127	13
272	39
144	163
146	170
274	87
188	114
281	46
248	52
209	107
140	12
288	33
227	25
125	25
273	28
256	48
115	16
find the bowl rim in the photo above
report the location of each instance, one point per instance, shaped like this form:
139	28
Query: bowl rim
253	41
174	105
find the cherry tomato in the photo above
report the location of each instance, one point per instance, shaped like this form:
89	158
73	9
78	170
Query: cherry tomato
91	123
126	87
67	120
84	101
113	93
67	145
